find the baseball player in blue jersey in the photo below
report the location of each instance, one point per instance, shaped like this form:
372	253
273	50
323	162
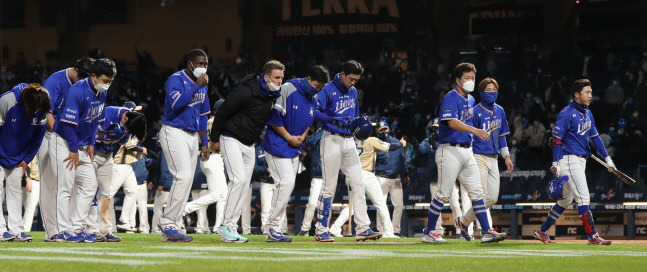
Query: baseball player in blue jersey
315	185
291	118
455	158
571	136
490	117
336	108
77	125
237	125
22	128
186	112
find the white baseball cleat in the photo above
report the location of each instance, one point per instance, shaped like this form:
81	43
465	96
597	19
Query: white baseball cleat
434	238
335	231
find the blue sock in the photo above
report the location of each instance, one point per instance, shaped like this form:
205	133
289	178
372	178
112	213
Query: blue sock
432	215
582	209
553	215
481	214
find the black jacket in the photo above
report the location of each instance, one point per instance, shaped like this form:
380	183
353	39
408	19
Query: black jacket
244	113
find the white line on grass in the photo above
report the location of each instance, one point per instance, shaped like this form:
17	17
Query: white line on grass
78	259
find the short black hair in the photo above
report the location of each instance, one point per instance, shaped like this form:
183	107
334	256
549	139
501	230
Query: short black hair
105	67
319	73
195	53
35	99
83	66
352	67
136	125
579	84
464	67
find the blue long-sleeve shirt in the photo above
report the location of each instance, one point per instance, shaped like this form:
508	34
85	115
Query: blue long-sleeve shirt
337	101
392	163
187	103
428	169
315	164
21	135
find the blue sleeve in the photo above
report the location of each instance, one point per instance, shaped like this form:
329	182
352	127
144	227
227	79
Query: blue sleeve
69	134
322	117
275	118
175	92
395	146
504	129
95	127
423	147
322	100
502	142
448	109
70	112
204	113
53	90
599	145
356	105
34	143
562	124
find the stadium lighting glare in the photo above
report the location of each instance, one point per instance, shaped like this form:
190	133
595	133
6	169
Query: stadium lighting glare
422	204
535	204
634	203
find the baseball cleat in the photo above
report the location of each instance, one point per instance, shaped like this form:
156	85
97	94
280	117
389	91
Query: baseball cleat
492	236
335	231
324	237
389	235
397	234
22	237
463	228
230	235
276	236
112	238
98	236
54	238
304	233
69	237
86	237
125	227
368	235
597	240
6	237
543	237
171	234
434	238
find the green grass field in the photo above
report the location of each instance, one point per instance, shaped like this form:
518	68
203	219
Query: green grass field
146	252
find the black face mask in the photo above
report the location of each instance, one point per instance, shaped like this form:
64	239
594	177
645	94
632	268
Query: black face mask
382	135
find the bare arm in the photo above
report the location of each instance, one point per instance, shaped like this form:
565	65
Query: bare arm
460	126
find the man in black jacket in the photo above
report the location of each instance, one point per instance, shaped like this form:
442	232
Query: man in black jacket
237	125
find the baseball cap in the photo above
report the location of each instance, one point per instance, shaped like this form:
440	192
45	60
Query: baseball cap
435	124
218	103
382	124
132	106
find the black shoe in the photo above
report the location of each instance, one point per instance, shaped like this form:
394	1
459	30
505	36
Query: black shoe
398	235
304	233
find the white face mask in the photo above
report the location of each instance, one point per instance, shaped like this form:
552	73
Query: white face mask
102	87
273	87
197	72
468	86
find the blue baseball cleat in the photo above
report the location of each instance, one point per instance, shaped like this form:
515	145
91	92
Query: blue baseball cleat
86	237
368	235
54	238
6	237
324	237
463	228
171	234
112	238
22	237
276	236
69	237
99	237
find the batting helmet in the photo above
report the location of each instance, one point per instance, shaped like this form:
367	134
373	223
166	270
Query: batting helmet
361	128
556	188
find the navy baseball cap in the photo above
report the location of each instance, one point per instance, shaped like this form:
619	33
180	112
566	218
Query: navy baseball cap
132	106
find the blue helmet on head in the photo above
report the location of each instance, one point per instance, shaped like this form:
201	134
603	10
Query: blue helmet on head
556	188
361	128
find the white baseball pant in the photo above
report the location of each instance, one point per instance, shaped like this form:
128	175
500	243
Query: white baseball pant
213	169
375	194
433	187
315	190
101	218
455	205
393	187
49	193
239	161
30	200
246	212
576	187
158	207
201	224
142	209
181	151
284	174
85	188
123	175
489	173
267	193
457	163
13	190
338	152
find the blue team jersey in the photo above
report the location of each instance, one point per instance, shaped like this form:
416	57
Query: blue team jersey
455	106
336	101
181	110
294	111
21	135
110	133
83	108
57	85
575	126
493	122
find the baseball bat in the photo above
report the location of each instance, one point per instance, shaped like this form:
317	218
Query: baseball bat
622	176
